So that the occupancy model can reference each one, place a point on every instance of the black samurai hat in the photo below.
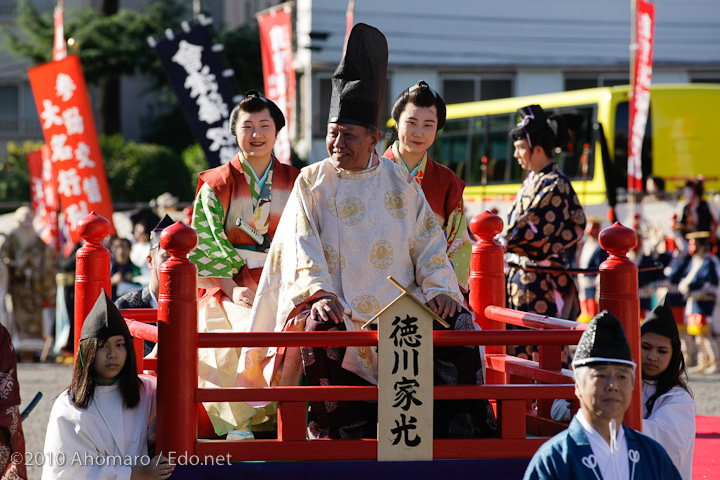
(104, 320)
(359, 81)
(533, 121)
(157, 231)
(603, 342)
(660, 320)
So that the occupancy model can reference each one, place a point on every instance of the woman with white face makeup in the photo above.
(419, 113)
(668, 406)
(236, 211)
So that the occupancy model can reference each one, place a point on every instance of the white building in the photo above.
(465, 49)
(483, 49)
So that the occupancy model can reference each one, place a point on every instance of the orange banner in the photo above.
(69, 128)
(279, 73)
(43, 194)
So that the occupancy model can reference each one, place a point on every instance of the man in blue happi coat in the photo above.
(597, 445)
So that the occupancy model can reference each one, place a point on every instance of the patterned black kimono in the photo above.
(541, 226)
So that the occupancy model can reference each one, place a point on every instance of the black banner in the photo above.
(206, 96)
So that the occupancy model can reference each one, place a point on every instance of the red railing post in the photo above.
(619, 295)
(177, 344)
(93, 268)
(487, 277)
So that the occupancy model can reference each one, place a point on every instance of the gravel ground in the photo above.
(51, 379)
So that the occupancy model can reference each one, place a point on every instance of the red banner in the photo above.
(640, 102)
(278, 70)
(43, 194)
(69, 128)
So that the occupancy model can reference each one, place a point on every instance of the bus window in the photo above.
(451, 147)
(579, 121)
(490, 139)
(621, 146)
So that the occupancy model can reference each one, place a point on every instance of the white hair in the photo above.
(580, 373)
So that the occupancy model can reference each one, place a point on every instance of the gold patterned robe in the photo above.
(345, 232)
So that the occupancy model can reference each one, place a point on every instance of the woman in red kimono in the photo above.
(419, 113)
(236, 211)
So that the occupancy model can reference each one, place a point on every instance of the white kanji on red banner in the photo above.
(66, 115)
(640, 102)
(44, 197)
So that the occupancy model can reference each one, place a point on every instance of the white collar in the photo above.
(612, 464)
(153, 300)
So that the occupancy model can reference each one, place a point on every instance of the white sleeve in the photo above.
(69, 451)
(672, 425)
(561, 411)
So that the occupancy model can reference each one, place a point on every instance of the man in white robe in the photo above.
(351, 221)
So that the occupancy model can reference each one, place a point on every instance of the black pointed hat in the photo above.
(661, 320)
(603, 342)
(359, 81)
(104, 320)
(157, 231)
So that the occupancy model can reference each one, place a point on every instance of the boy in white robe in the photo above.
(101, 426)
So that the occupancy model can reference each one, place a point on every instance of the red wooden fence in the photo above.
(512, 383)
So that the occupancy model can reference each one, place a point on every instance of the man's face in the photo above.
(605, 392)
(522, 153)
(121, 250)
(350, 146)
(155, 259)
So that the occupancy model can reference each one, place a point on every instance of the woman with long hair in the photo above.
(103, 425)
(668, 405)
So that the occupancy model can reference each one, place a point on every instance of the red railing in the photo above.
(512, 383)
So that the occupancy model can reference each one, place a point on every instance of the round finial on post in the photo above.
(618, 240)
(179, 239)
(93, 228)
(487, 277)
(486, 226)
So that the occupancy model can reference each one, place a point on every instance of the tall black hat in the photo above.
(359, 81)
(661, 320)
(157, 231)
(603, 342)
(104, 320)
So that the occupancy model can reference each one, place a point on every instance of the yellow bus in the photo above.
(680, 143)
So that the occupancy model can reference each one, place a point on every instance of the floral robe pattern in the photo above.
(546, 218)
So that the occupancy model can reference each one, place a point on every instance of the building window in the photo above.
(705, 78)
(579, 82)
(322, 103)
(470, 88)
(9, 108)
(18, 114)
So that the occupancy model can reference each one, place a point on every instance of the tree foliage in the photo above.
(139, 172)
(242, 54)
(14, 173)
(107, 45)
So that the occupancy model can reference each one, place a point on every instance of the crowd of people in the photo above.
(287, 250)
